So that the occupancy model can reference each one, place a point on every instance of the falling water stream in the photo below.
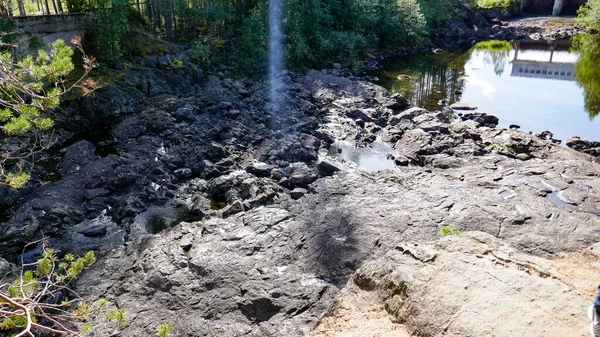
(275, 54)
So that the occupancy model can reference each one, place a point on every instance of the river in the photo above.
(537, 85)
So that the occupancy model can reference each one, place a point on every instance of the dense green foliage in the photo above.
(589, 14)
(107, 28)
(498, 3)
(317, 32)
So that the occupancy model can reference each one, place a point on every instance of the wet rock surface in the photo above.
(244, 224)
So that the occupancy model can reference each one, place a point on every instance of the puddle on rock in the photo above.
(553, 196)
(507, 194)
(581, 188)
(377, 157)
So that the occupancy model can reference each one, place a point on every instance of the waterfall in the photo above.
(275, 54)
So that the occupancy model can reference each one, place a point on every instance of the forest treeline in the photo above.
(234, 32)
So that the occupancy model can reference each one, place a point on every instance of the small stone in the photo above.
(328, 168)
(298, 193)
(183, 173)
(463, 106)
(201, 206)
(276, 174)
(401, 161)
(522, 156)
(491, 119)
(186, 242)
(576, 142)
(545, 135)
(399, 102)
(260, 169)
(183, 114)
(94, 231)
(233, 114)
(514, 126)
(236, 207)
(225, 105)
(337, 66)
(359, 122)
(95, 193)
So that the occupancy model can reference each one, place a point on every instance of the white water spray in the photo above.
(275, 54)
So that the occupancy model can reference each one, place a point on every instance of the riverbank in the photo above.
(295, 228)
(212, 210)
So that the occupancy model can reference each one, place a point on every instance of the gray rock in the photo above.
(225, 105)
(183, 173)
(76, 156)
(328, 167)
(94, 231)
(522, 156)
(399, 102)
(233, 114)
(298, 193)
(95, 193)
(184, 114)
(401, 161)
(201, 206)
(236, 207)
(260, 169)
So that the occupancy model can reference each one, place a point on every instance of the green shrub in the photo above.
(176, 63)
(497, 3)
(447, 230)
(39, 299)
(589, 15)
(200, 54)
(31, 86)
(134, 43)
(164, 329)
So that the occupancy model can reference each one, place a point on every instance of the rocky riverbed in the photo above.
(211, 209)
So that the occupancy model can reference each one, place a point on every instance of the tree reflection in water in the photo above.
(494, 52)
(435, 80)
(587, 70)
(426, 80)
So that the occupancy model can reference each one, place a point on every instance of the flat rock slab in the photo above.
(469, 285)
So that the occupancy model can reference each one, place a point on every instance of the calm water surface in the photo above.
(531, 84)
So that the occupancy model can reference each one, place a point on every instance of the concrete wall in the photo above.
(53, 27)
